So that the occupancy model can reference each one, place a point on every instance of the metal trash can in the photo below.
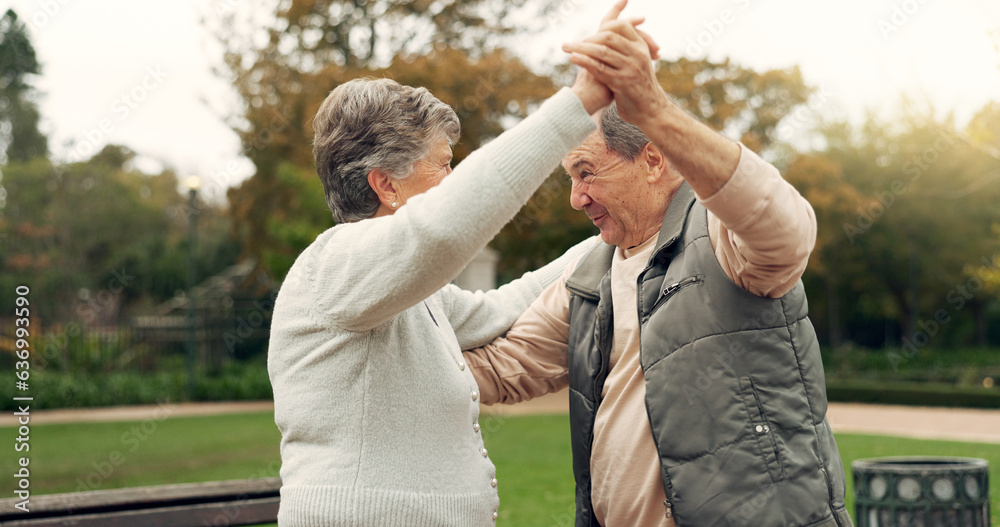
(921, 492)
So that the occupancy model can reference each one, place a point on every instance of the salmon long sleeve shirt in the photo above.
(762, 231)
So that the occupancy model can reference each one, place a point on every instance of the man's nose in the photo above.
(578, 198)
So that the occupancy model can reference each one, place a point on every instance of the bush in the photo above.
(911, 393)
(962, 366)
(55, 389)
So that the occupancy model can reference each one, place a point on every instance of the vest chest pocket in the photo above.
(767, 445)
(673, 287)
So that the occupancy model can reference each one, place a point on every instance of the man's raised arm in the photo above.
(619, 57)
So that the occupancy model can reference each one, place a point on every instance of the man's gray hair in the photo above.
(623, 138)
(374, 123)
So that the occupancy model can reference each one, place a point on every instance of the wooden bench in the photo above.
(215, 503)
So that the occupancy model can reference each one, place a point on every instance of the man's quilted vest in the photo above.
(735, 392)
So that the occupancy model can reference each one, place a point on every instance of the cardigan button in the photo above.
(475, 426)
(475, 395)
(484, 452)
(461, 366)
(495, 515)
(759, 429)
(493, 482)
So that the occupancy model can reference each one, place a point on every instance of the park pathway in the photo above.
(960, 424)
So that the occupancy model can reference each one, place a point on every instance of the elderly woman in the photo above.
(377, 409)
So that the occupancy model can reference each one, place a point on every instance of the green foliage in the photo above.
(913, 394)
(18, 109)
(964, 366)
(354, 34)
(237, 381)
(910, 376)
(96, 237)
(904, 209)
(294, 227)
(983, 130)
(543, 229)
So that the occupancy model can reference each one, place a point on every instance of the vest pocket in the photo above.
(767, 445)
(673, 287)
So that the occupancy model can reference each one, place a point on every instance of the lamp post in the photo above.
(193, 183)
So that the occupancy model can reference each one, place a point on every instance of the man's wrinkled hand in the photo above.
(620, 57)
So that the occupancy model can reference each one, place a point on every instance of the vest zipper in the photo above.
(673, 288)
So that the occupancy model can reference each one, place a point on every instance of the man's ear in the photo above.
(384, 187)
(654, 162)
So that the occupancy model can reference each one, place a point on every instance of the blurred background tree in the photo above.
(908, 229)
(75, 228)
(19, 135)
(885, 259)
(68, 229)
(454, 49)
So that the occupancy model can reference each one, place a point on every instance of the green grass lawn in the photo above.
(531, 453)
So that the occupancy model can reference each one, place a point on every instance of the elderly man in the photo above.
(697, 394)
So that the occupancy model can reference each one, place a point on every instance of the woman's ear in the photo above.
(385, 188)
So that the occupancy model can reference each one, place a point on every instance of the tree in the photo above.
(744, 103)
(18, 111)
(822, 182)
(99, 225)
(983, 132)
(914, 203)
(451, 48)
(356, 34)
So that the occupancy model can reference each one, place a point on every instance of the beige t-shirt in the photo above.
(621, 429)
(762, 231)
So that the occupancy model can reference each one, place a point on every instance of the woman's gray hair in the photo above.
(622, 137)
(374, 123)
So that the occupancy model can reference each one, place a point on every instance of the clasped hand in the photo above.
(616, 62)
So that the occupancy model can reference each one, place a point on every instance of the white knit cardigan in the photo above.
(379, 415)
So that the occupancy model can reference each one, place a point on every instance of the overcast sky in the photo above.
(139, 72)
